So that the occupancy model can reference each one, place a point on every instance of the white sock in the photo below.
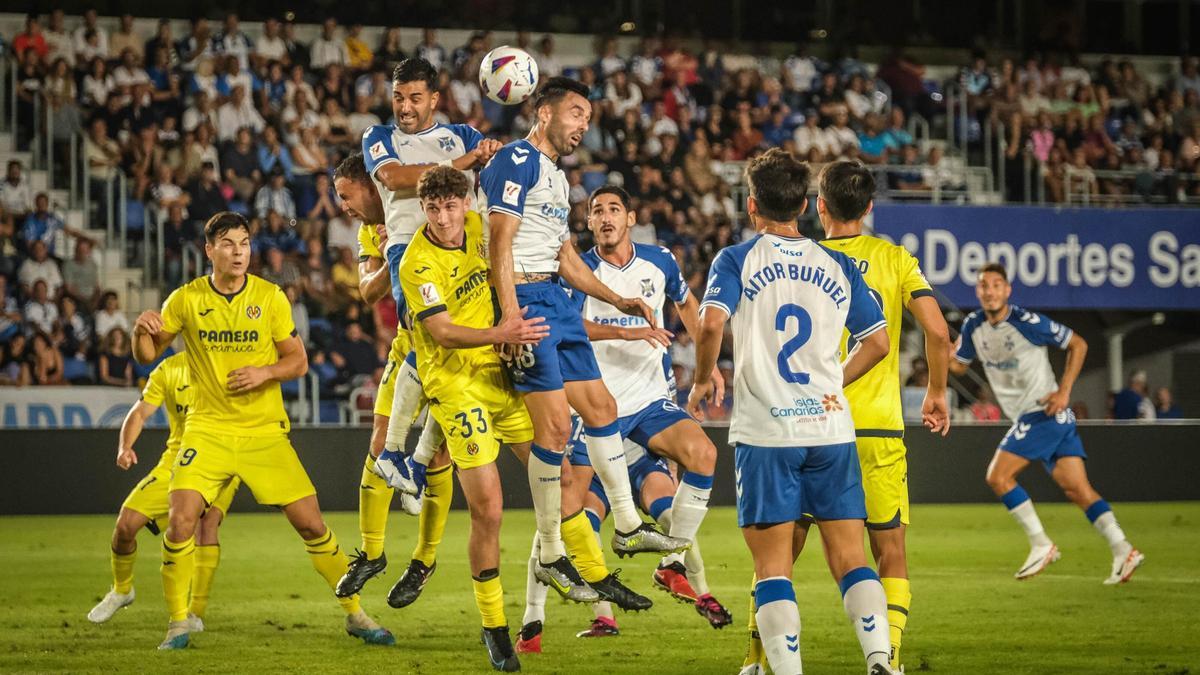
(545, 484)
(404, 404)
(664, 523)
(695, 569)
(430, 441)
(779, 624)
(1021, 507)
(866, 605)
(690, 505)
(606, 452)
(535, 592)
(1105, 522)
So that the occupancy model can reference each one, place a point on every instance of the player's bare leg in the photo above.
(1071, 476)
(862, 593)
(1002, 479)
(891, 559)
(208, 557)
(178, 563)
(331, 563)
(777, 615)
(123, 556)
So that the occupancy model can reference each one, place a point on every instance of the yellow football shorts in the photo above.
(885, 481)
(149, 496)
(481, 416)
(268, 465)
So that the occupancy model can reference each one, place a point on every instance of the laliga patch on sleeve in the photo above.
(512, 193)
(378, 151)
(429, 294)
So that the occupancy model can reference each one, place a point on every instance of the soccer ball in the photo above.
(508, 75)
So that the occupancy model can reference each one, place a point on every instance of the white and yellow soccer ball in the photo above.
(508, 75)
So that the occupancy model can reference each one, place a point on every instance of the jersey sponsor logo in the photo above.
(1030, 317)
(206, 312)
(182, 388)
(429, 294)
(477, 279)
(421, 270)
(253, 312)
(519, 155)
(512, 193)
(807, 409)
(228, 341)
(619, 320)
(377, 150)
(712, 290)
(454, 272)
(785, 250)
(831, 403)
(558, 213)
(647, 288)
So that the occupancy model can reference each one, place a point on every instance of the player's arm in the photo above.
(708, 336)
(962, 350)
(374, 280)
(292, 363)
(502, 229)
(1060, 399)
(131, 429)
(150, 338)
(935, 412)
(658, 337)
(870, 351)
(515, 329)
(576, 273)
(404, 177)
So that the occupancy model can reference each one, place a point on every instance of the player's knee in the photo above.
(1000, 482)
(556, 434)
(309, 531)
(700, 457)
(486, 514)
(182, 525)
(210, 524)
(124, 535)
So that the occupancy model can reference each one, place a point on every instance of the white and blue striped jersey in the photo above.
(1014, 356)
(383, 144)
(788, 299)
(523, 182)
(636, 373)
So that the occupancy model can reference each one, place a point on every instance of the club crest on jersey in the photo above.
(647, 288)
(253, 312)
(446, 143)
(472, 448)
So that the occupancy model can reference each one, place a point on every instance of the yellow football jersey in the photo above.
(368, 243)
(894, 277)
(436, 279)
(226, 332)
(169, 386)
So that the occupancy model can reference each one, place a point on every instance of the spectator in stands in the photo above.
(239, 113)
(91, 25)
(231, 40)
(273, 154)
(10, 312)
(10, 252)
(39, 266)
(240, 164)
(872, 144)
(178, 234)
(129, 73)
(353, 354)
(31, 39)
(1133, 401)
(279, 270)
(16, 196)
(1189, 76)
(207, 196)
(81, 275)
(58, 41)
(103, 156)
(345, 277)
(278, 233)
(76, 330)
(322, 206)
(110, 316)
(317, 284)
(165, 193)
(46, 362)
(389, 53)
(275, 196)
(115, 366)
(328, 48)
(984, 409)
(908, 179)
(1165, 407)
(40, 312)
(14, 362)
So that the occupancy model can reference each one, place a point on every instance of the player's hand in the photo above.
(935, 414)
(148, 322)
(718, 381)
(486, 148)
(1055, 402)
(657, 337)
(381, 230)
(245, 379)
(636, 307)
(515, 329)
(702, 392)
(126, 458)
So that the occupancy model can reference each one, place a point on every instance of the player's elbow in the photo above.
(937, 335)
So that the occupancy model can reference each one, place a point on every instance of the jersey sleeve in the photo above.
(724, 283)
(1039, 329)
(912, 281)
(677, 288)
(507, 179)
(282, 325)
(368, 247)
(423, 287)
(154, 392)
(470, 135)
(377, 148)
(966, 346)
(173, 310)
(865, 316)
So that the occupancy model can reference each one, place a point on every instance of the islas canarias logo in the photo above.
(253, 312)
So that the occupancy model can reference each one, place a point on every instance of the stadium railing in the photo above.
(1176, 181)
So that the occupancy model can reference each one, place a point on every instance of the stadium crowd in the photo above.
(217, 119)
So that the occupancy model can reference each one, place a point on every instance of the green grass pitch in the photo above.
(270, 612)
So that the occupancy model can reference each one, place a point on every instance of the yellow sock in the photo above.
(489, 597)
(207, 559)
(122, 570)
(899, 597)
(374, 501)
(754, 650)
(331, 563)
(178, 566)
(439, 490)
(581, 544)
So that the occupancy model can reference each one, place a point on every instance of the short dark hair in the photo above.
(442, 182)
(847, 187)
(778, 183)
(223, 222)
(556, 89)
(353, 169)
(415, 69)
(617, 190)
(994, 267)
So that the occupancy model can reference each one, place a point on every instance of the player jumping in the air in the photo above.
(146, 506)
(893, 277)
(1012, 343)
(360, 199)
(241, 343)
(528, 206)
(788, 299)
(637, 374)
(444, 277)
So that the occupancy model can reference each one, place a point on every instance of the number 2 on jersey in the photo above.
(796, 342)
